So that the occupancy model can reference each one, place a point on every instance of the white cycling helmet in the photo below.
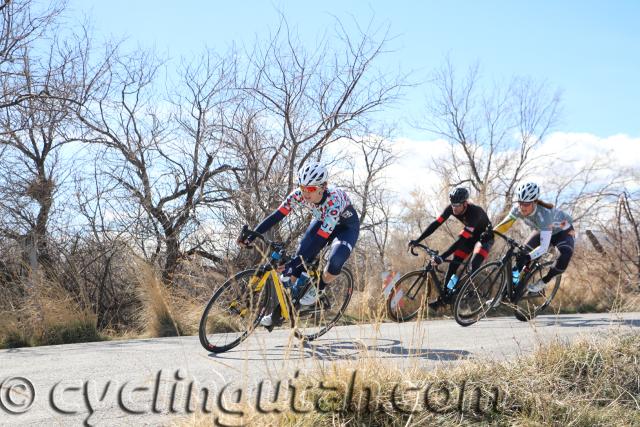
(312, 173)
(528, 192)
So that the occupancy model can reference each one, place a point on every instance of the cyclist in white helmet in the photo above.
(551, 226)
(335, 222)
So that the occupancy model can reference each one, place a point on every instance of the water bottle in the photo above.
(452, 282)
(300, 282)
(515, 275)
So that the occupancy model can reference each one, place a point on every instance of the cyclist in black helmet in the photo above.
(471, 238)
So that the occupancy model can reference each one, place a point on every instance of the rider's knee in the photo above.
(337, 259)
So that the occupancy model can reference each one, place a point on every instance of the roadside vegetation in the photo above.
(593, 381)
(53, 318)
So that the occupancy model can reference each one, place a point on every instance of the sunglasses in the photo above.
(457, 205)
(309, 188)
(525, 204)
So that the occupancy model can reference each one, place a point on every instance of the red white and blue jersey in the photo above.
(334, 208)
(334, 219)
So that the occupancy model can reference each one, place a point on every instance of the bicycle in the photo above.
(492, 285)
(236, 307)
(419, 287)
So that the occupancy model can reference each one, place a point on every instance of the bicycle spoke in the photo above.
(532, 304)
(412, 292)
(231, 314)
(480, 292)
(409, 296)
(314, 321)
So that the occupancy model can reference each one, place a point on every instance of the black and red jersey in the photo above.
(474, 218)
(475, 222)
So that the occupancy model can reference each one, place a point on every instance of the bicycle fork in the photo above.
(276, 299)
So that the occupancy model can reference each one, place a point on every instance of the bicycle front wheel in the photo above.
(313, 321)
(233, 312)
(410, 294)
(479, 293)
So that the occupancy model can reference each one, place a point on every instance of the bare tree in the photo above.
(493, 135)
(628, 229)
(373, 155)
(160, 152)
(32, 134)
(311, 98)
(22, 23)
(585, 188)
(297, 103)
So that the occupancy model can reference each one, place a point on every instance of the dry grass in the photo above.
(366, 306)
(595, 381)
(589, 285)
(593, 283)
(50, 316)
(158, 315)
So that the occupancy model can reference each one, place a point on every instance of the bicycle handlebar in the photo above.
(427, 249)
(247, 232)
(509, 240)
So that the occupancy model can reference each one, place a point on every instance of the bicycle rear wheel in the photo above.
(314, 321)
(479, 294)
(532, 304)
(409, 295)
(233, 312)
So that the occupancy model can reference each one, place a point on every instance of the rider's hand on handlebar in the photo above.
(244, 239)
(412, 243)
(245, 243)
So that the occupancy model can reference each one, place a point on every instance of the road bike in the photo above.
(492, 284)
(236, 307)
(416, 289)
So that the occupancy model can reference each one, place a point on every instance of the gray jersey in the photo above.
(544, 219)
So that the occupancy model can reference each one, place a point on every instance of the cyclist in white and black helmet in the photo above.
(550, 225)
(470, 239)
(335, 222)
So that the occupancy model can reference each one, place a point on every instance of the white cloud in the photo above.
(623, 150)
(561, 157)
(578, 149)
(412, 170)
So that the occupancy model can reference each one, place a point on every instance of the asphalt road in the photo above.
(145, 382)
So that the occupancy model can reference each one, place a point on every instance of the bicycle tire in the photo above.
(321, 311)
(398, 309)
(484, 287)
(225, 319)
(526, 308)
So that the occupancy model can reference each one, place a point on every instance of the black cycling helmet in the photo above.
(459, 195)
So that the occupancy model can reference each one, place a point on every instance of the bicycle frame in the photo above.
(428, 268)
(513, 293)
(277, 287)
(270, 270)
